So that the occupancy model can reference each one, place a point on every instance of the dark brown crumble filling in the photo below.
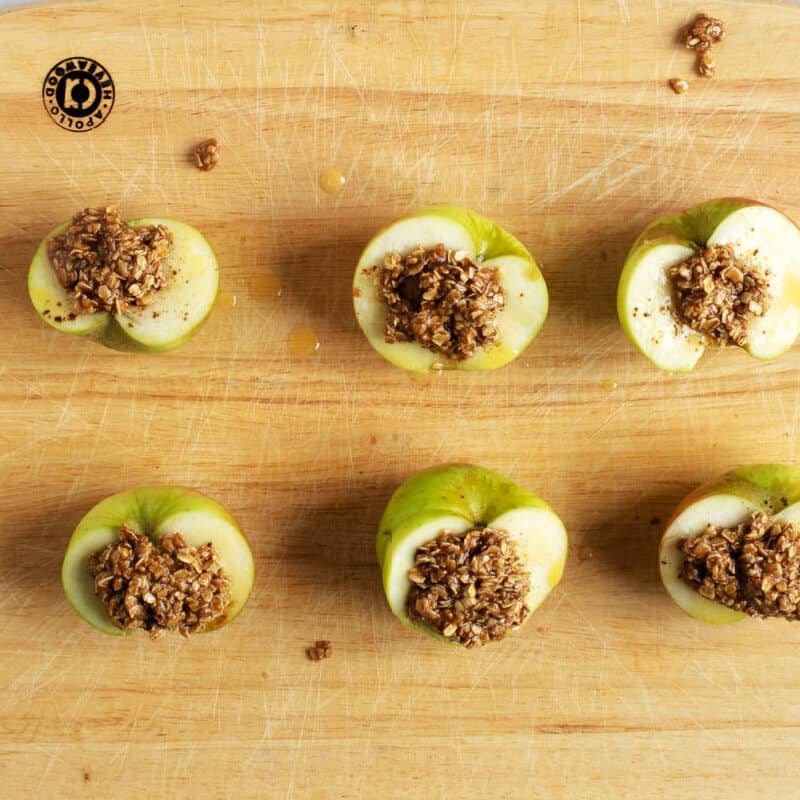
(469, 587)
(717, 295)
(440, 299)
(754, 567)
(106, 265)
(160, 587)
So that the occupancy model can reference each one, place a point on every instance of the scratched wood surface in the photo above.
(553, 118)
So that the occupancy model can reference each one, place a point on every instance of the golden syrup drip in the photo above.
(264, 286)
(227, 300)
(303, 342)
(609, 385)
(425, 378)
(585, 554)
(331, 181)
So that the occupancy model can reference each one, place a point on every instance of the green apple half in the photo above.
(760, 236)
(174, 316)
(524, 289)
(156, 511)
(459, 498)
(725, 502)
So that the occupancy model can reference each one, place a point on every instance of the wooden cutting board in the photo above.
(554, 119)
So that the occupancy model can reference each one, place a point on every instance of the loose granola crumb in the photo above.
(322, 648)
(717, 295)
(469, 587)
(162, 586)
(441, 299)
(679, 85)
(206, 154)
(104, 264)
(706, 66)
(704, 32)
(754, 567)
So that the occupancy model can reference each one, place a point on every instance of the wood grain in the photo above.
(556, 120)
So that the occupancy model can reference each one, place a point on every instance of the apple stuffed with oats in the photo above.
(726, 272)
(158, 559)
(141, 286)
(445, 288)
(732, 547)
(467, 555)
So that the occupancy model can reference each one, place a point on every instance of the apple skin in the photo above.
(691, 230)
(155, 511)
(457, 497)
(459, 229)
(728, 500)
(104, 327)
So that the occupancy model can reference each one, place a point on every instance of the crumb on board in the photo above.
(679, 85)
(322, 648)
(699, 36)
(206, 154)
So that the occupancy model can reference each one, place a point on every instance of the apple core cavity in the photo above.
(160, 586)
(470, 588)
(105, 264)
(717, 295)
(752, 567)
(440, 299)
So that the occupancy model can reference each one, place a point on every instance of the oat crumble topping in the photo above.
(717, 295)
(160, 587)
(106, 265)
(440, 299)
(322, 648)
(754, 567)
(469, 587)
(206, 155)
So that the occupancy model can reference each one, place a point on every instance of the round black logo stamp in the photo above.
(78, 94)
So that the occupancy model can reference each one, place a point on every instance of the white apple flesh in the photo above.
(524, 288)
(459, 498)
(761, 238)
(174, 316)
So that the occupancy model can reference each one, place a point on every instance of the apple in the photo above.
(486, 245)
(169, 321)
(460, 498)
(761, 238)
(155, 511)
(726, 502)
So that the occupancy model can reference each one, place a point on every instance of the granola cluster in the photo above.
(717, 295)
(469, 587)
(754, 567)
(160, 587)
(104, 264)
(440, 299)
(704, 32)
(206, 155)
(323, 648)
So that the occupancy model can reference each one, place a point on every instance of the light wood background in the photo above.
(554, 119)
